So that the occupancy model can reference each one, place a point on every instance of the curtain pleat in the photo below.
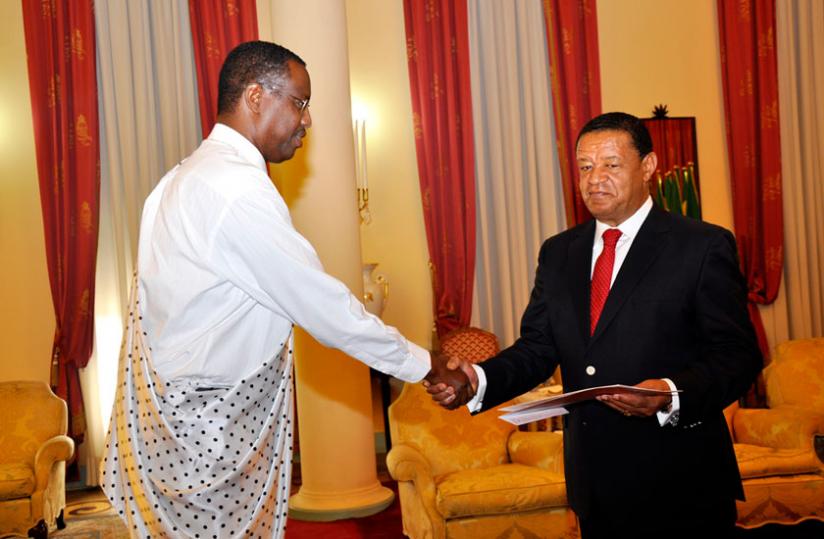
(218, 26)
(60, 50)
(438, 55)
(750, 86)
(572, 36)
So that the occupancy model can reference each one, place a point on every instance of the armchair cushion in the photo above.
(760, 461)
(498, 490)
(16, 481)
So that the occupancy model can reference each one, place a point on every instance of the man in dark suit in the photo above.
(661, 304)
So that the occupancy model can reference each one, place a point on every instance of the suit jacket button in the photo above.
(590, 370)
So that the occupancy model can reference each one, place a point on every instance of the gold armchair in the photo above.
(33, 451)
(461, 476)
(775, 447)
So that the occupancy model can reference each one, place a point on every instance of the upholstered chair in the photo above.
(470, 344)
(463, 476)
(33, 451)
(782, 474)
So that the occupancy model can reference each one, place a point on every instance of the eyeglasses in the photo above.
(301, 104)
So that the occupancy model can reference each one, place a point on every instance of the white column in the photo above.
(336, 438)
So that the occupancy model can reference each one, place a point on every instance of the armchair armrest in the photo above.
(543, 450)
(784, 427)
(405, 463)
(55, 449)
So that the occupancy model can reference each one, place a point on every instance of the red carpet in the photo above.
(384, 525)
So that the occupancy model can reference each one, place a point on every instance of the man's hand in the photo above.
(640, 405)
(451, 382)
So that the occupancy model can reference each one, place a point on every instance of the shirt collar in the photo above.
(226, 135)
(630, 227)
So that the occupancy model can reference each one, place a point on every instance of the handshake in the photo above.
(452, 382)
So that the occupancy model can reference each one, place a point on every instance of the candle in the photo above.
(363, 155)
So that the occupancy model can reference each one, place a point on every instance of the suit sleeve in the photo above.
(729, 357)
(532, 358)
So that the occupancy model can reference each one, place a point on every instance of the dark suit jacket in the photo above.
(678, 310)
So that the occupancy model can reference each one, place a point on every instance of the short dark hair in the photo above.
(250, 62)
(621, 121)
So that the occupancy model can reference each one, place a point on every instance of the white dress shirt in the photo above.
(629, 230)
(200, 440)
(224, 275)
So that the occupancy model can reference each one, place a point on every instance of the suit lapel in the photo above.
(580, 266)
(652, 237)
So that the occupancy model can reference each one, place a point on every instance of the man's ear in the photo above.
(252, 96)
(649, 164)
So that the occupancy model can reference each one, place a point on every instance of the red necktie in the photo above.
(601, 277)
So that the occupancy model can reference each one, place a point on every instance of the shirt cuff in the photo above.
(417, 366)
(669, 415)
(477, 401)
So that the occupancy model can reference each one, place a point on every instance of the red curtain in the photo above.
(218, 26)
(572, 36)
(750, 79)
(437, 46)
(60, 50)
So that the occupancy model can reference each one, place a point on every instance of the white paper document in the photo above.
(535, 410)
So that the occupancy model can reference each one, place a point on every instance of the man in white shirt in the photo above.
(200, 439)
(642, 297)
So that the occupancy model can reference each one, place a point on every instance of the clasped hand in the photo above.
(451, 381)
